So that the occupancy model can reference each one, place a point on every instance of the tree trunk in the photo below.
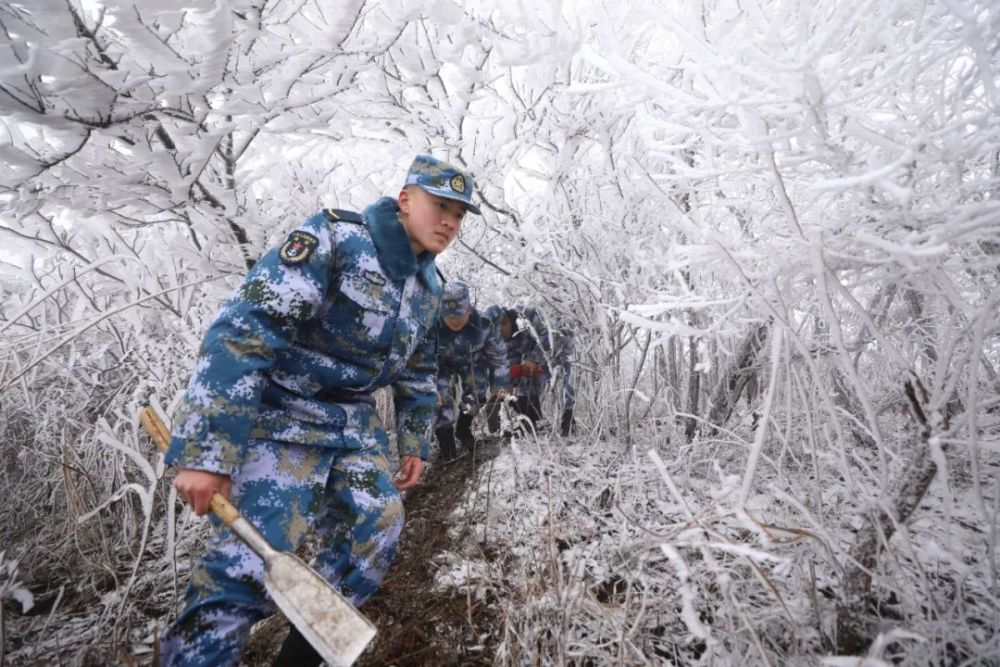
(635, 384)
(730, 386)
(878, 528)
(843, 394)
(239, 233)
(845, 399)
(673, 376)
(693, 389)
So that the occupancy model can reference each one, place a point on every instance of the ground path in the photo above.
(419, 624)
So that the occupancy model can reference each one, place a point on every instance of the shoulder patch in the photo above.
(298, 247)
(343, 215)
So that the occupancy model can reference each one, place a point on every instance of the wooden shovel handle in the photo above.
(157, 430)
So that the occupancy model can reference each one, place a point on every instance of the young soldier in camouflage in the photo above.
(279, 413)
(470, 351)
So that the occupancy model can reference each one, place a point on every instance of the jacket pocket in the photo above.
(368, 294)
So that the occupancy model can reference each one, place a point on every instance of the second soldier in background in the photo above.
(472, 359)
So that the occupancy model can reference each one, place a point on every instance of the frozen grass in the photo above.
(601, 562)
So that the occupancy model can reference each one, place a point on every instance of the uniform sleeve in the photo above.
(565, 347)
(536, 343)
(283, 290)
(415, 392)
(443, 383)
(495, 351)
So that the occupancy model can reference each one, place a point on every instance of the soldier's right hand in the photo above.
(530, 368)
(198, 486)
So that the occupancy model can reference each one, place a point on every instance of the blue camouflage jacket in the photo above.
(476, 353)
(536, 341)
(531, 342)
(341, 309)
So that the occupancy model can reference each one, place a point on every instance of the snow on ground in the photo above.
(590, 555)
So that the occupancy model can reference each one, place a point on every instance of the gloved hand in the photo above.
(528, 369)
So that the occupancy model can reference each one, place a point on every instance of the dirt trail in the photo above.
(418, 625)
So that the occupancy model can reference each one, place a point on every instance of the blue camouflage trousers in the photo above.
(474, 395)
(568, 393)
(532, 385)
(285, 489)
(447, 413)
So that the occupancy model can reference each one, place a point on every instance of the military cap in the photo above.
(455, 300)
(442, 179)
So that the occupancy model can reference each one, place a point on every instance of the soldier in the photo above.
(527, 341)
(533, 350)
(495, 315)
(279, 412)
(471, 352)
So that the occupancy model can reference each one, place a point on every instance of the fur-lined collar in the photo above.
(393, 245)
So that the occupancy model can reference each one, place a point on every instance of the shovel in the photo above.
(337, 630)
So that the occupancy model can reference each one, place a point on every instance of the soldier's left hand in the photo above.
(409, 473)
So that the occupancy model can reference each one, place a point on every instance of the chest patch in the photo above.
(375, 277)
(298, 247)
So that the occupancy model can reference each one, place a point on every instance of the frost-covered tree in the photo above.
(150, 153)
(829, 183)
(764, 222)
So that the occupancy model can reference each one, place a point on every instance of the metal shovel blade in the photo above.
(323, 616)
